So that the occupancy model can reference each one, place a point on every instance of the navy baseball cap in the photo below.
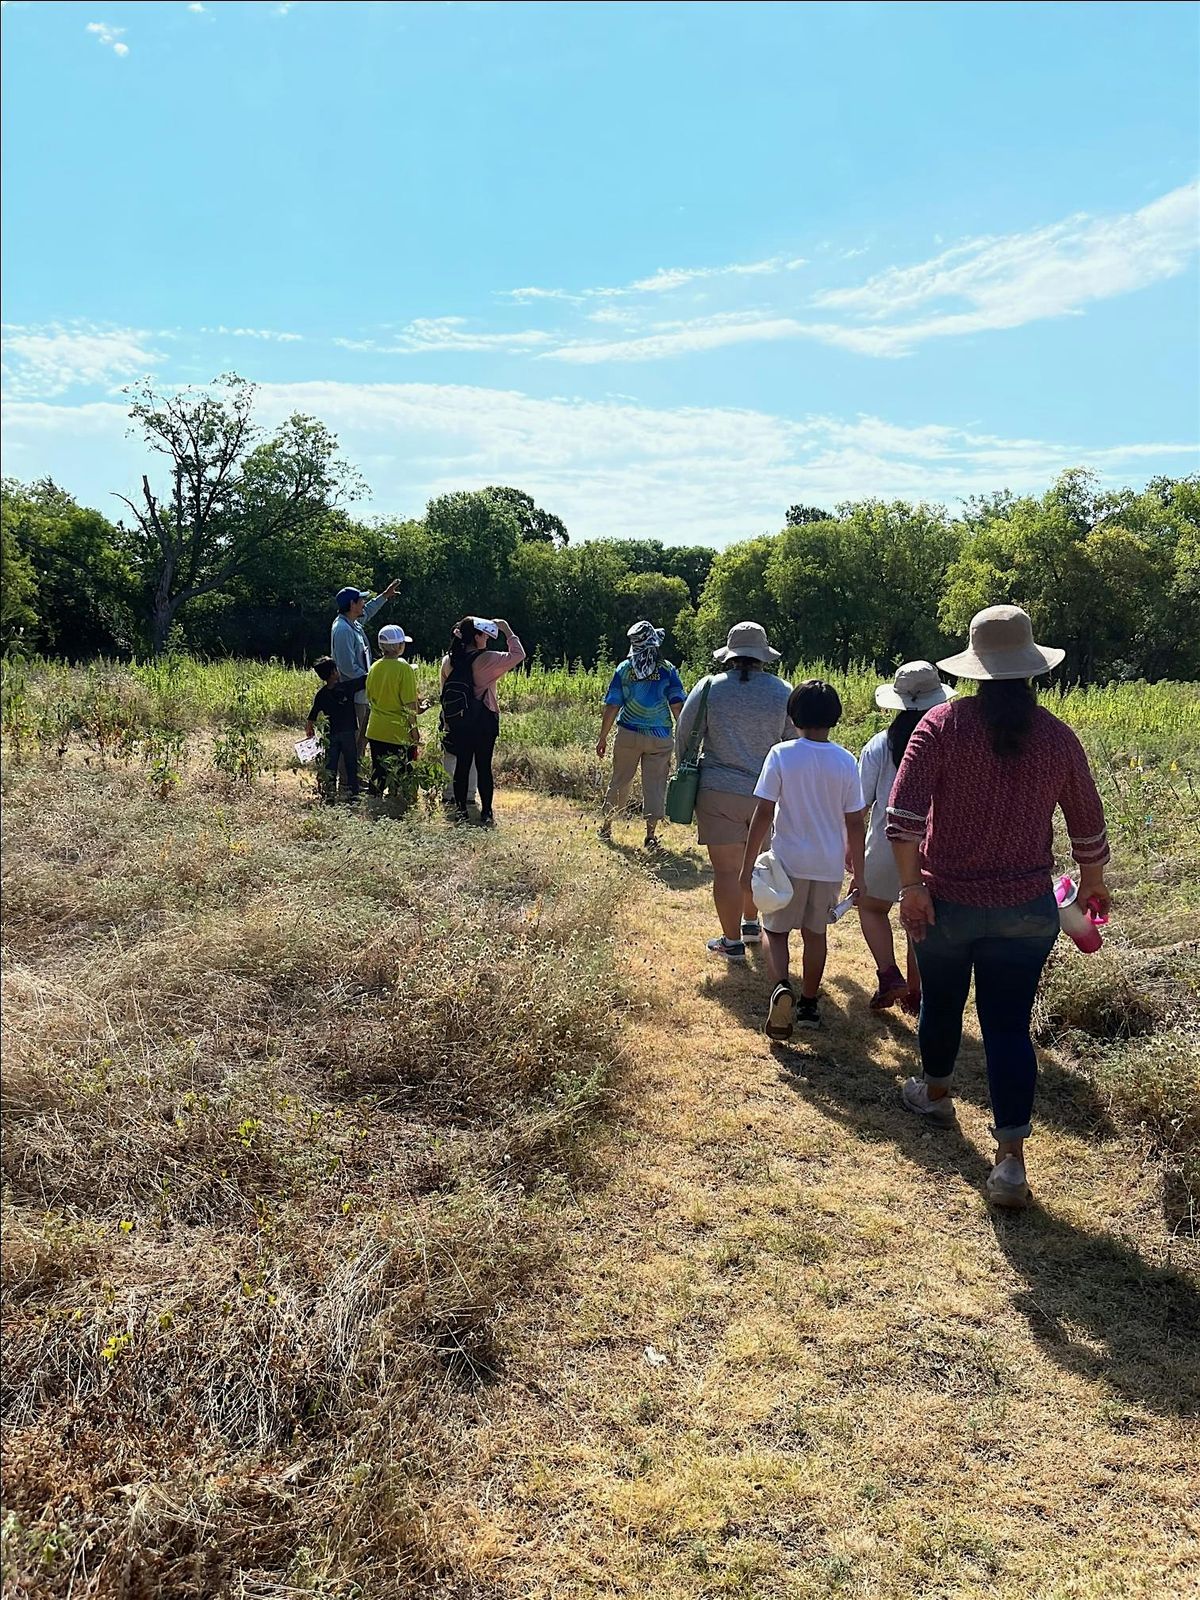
(345, 598)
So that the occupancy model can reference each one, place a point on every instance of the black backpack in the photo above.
(461, 706)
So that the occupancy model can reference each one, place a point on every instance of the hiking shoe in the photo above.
(731, 949)
(781, 1014)
(893, 987)
(808, 1013)
(751, 932)
(1007, 1185)
(915, 1095)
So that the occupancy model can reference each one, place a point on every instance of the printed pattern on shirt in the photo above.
(985, 823)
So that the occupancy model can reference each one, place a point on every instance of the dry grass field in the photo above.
(397, 1212)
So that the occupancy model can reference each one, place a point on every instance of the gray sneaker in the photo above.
(1008, 1186)
(915, 1095)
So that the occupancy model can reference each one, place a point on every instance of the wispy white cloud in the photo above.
(271, 334)
(612, 466)
(450, 334)
(199, 9)
(48, 360)
(107, 35)
(993, 283)
(665, 340)
(663, 281)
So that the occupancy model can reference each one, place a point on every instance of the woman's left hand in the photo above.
(916, 912)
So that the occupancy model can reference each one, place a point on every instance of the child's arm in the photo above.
(310, 727)
(760, 823)
(348, 688)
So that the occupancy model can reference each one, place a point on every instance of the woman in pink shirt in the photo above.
(471, 719)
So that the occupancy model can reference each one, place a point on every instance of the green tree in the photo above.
(1105, 576)
(659, 599)
(234, 498)
(797, 516)
(736, 590)
(83, 591)
(537, 526)
(18, 586)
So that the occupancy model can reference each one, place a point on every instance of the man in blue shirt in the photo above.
(644, 700)
(348, 644)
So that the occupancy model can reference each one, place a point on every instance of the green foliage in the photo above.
(68, 583)
(234, 498)
(1109, 577)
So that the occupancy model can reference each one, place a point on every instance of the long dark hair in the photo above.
(900, 732)
(462, 641)
(1007, 706)
(743, 666)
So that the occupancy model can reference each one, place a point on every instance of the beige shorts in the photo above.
(723, 818)
(809, 907)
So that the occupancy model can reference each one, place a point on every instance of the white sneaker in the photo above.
(1008, 1186)
(915, 1095)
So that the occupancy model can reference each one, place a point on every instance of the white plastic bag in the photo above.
(770, 884)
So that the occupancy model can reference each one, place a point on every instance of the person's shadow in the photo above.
(1091, 1301)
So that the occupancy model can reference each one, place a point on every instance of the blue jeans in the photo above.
(342, 749)
(1006, 947)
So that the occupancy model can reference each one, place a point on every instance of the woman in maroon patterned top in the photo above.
(971, 823)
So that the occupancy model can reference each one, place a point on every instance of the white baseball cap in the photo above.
(393, 633)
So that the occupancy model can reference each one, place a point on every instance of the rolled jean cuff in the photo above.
(939, 1083)
(1003, 1135)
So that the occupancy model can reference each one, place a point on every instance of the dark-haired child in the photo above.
(336, 702)
(809, 789)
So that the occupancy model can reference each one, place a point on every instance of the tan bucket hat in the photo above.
(746, 639)
(1001, 646)
(916, 687)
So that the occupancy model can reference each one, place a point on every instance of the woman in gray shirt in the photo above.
(744, 716)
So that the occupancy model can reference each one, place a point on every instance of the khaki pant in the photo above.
(653, 755)
(362, 712)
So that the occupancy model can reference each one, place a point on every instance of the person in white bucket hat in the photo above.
(971, 823)
(392, 698)
(915, 689)
(740, 712)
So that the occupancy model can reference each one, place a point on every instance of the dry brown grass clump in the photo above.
(285, 1091)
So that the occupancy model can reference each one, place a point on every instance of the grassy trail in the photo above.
(872, 1385)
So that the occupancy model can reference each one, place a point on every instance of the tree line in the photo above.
(236, 541)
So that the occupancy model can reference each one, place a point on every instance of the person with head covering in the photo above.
(971, 823)
(739, 713)
(348, 643)
(644, 699)
(470, 707)
(392, 702)
(914, 690)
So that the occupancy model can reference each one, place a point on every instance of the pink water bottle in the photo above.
(1081, 923)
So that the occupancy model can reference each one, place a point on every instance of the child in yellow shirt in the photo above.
(392, 698)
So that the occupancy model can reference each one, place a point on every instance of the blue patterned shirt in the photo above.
(646, 702)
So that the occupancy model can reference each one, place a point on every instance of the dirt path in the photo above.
(872, 1385)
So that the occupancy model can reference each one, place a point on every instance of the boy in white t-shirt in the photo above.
(809, 788)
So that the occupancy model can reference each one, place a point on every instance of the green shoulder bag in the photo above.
(685, 781)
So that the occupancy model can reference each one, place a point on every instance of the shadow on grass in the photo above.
(1066, 1100)
(672, 868)
(1092, 1303)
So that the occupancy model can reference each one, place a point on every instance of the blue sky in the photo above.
(667, 267)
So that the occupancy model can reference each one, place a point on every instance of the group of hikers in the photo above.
(947, 813)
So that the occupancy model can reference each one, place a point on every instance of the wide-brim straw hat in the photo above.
(1001, 646)
(746, 639)
(916, 687)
